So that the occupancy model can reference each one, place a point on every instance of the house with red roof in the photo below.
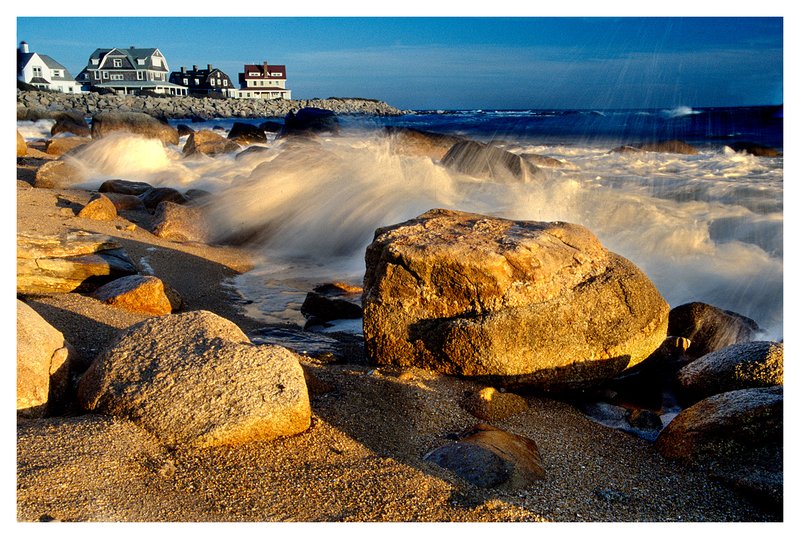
(262, 81)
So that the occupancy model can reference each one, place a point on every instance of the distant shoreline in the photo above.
(33, 105)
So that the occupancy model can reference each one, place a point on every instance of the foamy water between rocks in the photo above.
(706, 227)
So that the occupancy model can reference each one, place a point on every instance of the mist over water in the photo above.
(706, 227)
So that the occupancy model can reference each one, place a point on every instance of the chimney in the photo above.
(23, 47)
(194, 68)
(210, 67)
(183, 70)
(132, 47)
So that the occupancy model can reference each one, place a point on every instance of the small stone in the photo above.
(99, 208)
(138, 293)
(490, 404)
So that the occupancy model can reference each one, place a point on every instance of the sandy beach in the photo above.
(362, 457)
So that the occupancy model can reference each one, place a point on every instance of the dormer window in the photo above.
(140, 61)
(95, 61)
(117, 62)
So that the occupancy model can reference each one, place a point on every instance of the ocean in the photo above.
(705, 227)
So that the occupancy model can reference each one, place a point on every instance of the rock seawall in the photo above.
(36, 105)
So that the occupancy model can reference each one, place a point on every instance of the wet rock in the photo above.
(57, 175)
(271, 126)
(99, 208)
(409, 141)
(70, 262)
(492, 405)
(252, 150)
(664, 146)
(522, 302)
(138, 123)
(194, 379)
(61, 145)
(487, 161)
(755, 149)
(155, 196)
(181, 223)
(208, 143)
(184, 130)
(321, 308)
(245, 133)
(709, 328)
(125, 202)
(309, 120)
(543, 160)
(138, 293)
(739, 366)
(737, 437)
(125, 187)
(491, 458)
(43, 363)
(644, 419)
(22, 147)
(74, 124)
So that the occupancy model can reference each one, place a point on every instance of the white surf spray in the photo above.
(706, 227)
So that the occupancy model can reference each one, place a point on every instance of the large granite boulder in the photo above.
(105, 123)
(489, 457)
(709, 328)
(194, 379)
(310, 120)
(739, 366)
(61, 145)
(22, 146)
(181, 223)
(58, 175)
(409, 141)
(487, 161)
(737, 437)
(244, 133)
(138, 293)
(71, 123)
(526, 302)
(70, 262)
(43, 363)
(207, 142)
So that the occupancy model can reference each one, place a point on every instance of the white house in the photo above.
(129, 71)
(261, 81)
(43, 72)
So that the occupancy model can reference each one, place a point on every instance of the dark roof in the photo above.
(133, 55)
(39, 80)
(270, 69)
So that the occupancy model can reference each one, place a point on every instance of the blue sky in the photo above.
(471, 62)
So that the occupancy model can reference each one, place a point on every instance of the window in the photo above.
(37, 71)
(117, 62)
(224, 82)
(140, 75)
(96, 75)
(212, 82)
(105, 74)
(140, 61)
(186, 82)
(95, 61)
(196, 82)
(117, 76)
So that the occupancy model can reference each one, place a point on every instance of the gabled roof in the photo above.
(265, 74)
(133, 55)
(24, 58)
(52, 64)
